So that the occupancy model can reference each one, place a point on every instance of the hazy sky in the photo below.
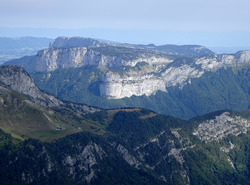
(156, 21)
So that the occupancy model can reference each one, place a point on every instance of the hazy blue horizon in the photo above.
(157, 37)
(214, 23)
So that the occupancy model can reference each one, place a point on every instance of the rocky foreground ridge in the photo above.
(130, 146)
(136, 69)
(17, 79)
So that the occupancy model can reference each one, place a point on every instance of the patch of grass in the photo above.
(150, 115)
(49, 135)
(13, 134)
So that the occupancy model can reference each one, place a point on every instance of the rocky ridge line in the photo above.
(17, 79)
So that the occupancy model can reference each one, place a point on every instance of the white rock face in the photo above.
(180, 75)
(130, 159)
(159, 74)
(242, 57)
(116, 86)
(51, 59)
(209, 63)
(85, 161)
(228, 60)
(222, 126)
(225, 60)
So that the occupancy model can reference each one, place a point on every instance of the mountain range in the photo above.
(45, 140)
(182, 81)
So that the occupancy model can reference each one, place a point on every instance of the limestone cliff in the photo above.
(136, 69)
(166, 74)
(51, 59)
